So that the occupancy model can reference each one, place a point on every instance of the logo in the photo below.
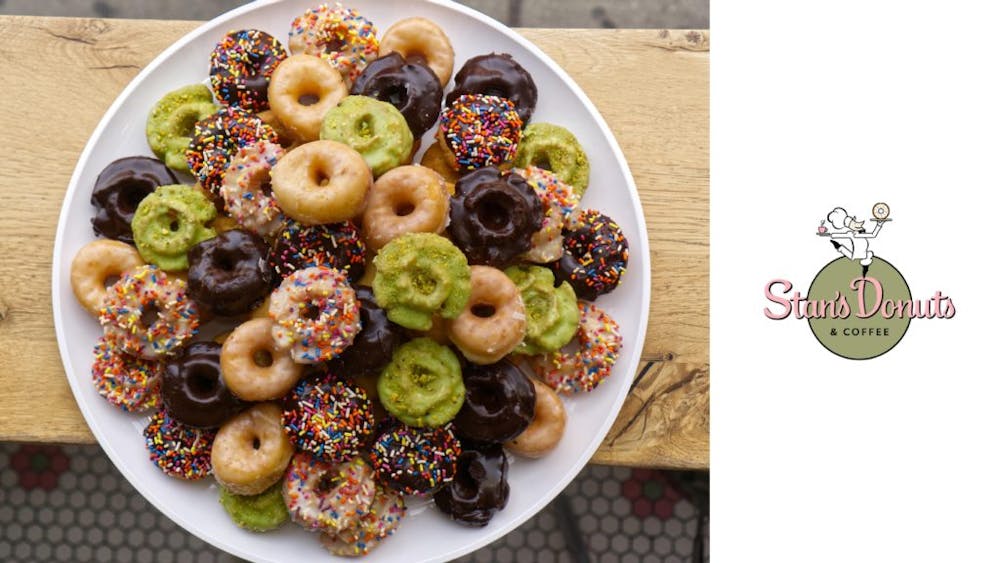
(859, 305)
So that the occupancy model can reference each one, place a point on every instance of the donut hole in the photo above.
(110, 280)
(424, 283)
(308, 99)
(186, 122)
(265, 185)
(203, 382)
(327, 482)
(542, 161)
(397, 95)
(149, 314)
(483, 310)
(131, 195)
(263, 358)
(336, 44)
(403, 209)
(365, 126)
(320, 178)
(256, 442)
(311, 312)
(174, 225)
(494, 212)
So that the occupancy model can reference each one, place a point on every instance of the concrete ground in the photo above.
(675, 14)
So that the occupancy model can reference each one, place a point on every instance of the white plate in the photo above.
(425, 535)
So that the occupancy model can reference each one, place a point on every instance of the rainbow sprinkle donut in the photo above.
(243, 188)
(130, 383)
(178, 450)
(327, 497)
(338, 34)
(479, 131)
(315, 313)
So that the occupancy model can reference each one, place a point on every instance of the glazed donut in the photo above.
(493, 321)
(328, 417)
(303, 88)
(94, 265)
(229, 274)
(119, 189)
(497, 75)
(546, 429)
(246, 188)
(493, 216)
(407, 199)
(410, 86)
(337, 245)
(216, 140)
(415, 461)
(420, 39)
(596, 254)
(478, 131)
(598, 343)
(241, 65)
(321, 182)
(327, 497)
(178, 450)
(130, 383)
(251, 450)
(315, 313)
(193, 390)
(286, 138)
(479, 488)
(147, 314)
(499, 402)
(441, 161)
(378, 523)
(253, 366)
(340, 35)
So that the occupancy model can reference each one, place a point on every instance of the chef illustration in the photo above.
(849, 236)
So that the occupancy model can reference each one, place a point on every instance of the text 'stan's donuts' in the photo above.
(251, 450)
(407, 199)
(493, 321)
(99, 261)
(421, 38)
(321, 182)
(254, 367)
(303, 88)
(546, 429)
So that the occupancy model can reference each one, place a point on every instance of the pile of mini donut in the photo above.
(326, 327)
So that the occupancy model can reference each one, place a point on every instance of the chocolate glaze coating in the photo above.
(228, 274)
(499, 402)
(493, 215)
(414, 460)
(194, 392)
(373, 346)
(119, 189)
(409, 85)
(595, 257)
(497, 74)
(479, 488)
(336, 245)
(241, 66)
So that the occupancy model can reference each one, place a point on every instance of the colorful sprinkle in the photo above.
(387, 510)
(481, 130)
(337, 245)
(241, 66)
(329, 418)
(338, 34)
(218, 137)
(316, 314)
(178, 450)
(130, 383)
(558, 200)
(585, 363)
(327, 497)
(596, 254)
(415, 460)
(245, 188)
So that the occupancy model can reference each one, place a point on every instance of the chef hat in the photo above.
(837, 217)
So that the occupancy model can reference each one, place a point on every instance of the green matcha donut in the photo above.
(171, 123)
(374, 128)
(553, 316)
(257, 513)
(554, 148)
(419, 275)
(170, 221)
(422, 385)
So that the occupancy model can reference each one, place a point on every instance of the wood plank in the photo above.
(63, 73)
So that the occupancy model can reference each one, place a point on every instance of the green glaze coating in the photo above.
(257, 513)
(171, 123)
(554, 148)
(168, 222)
(374, 128)
(553, 316)
(422, 385)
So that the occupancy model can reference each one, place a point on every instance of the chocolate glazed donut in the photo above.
(193, 390)
(493, 215)
(479, 488)
(119, 189)
(229, 274)
(409, 85)
(499, 402)
(373, 346)
(497, 75)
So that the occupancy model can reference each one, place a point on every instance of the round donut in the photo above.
(257, 513)
(478, 131)
(179, 450)
(415, 461)
(119, 189)
(341, 36)
(130, 383)
(321, 182)
(168, 222)
(378, 523)
(410, 86)
(217, 139)
(303, 88)
(327, 497)
(555, 148)
(598, 343)
(596, 254)
(493, 322)
(315, 313)
(228, 274)
(422, 385)
(246, 188)
(479, 488)
(493, 216)
(374, 128)
(193, 389)
(546, 429)
(373, 346)
(420, 39)
(328, 417)
(497, 75)
(94, 265)
(254, 367)
(337, 245)
(241, 65)
(407, 199)
(251, 450)
(170, 124)
(499, 402)
(147, 314)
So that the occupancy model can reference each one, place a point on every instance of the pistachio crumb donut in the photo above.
(587, 362)
(321, 182)
(169, 222)
(407, 199)
(257, 513)
(251, 450)
(315, 313)
(372, 127)
(552, 313)
(493, 321)
(422, 385)
(97, 263)
(303, 88)
(546, 429)
(419, 275)
(421, 39)
(253, 366)
(552, 147)
(170, 125)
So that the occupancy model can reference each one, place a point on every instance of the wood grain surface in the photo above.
(61, 74)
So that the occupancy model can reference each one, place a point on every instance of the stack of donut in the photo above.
(325, 326)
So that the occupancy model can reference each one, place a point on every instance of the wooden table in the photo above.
(61, 74)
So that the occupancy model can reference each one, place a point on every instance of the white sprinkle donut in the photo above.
(338, 34)
(586, 361)
(378, 523)
(243, 188)
(316, 314)
(148, 314)
(328, 497)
